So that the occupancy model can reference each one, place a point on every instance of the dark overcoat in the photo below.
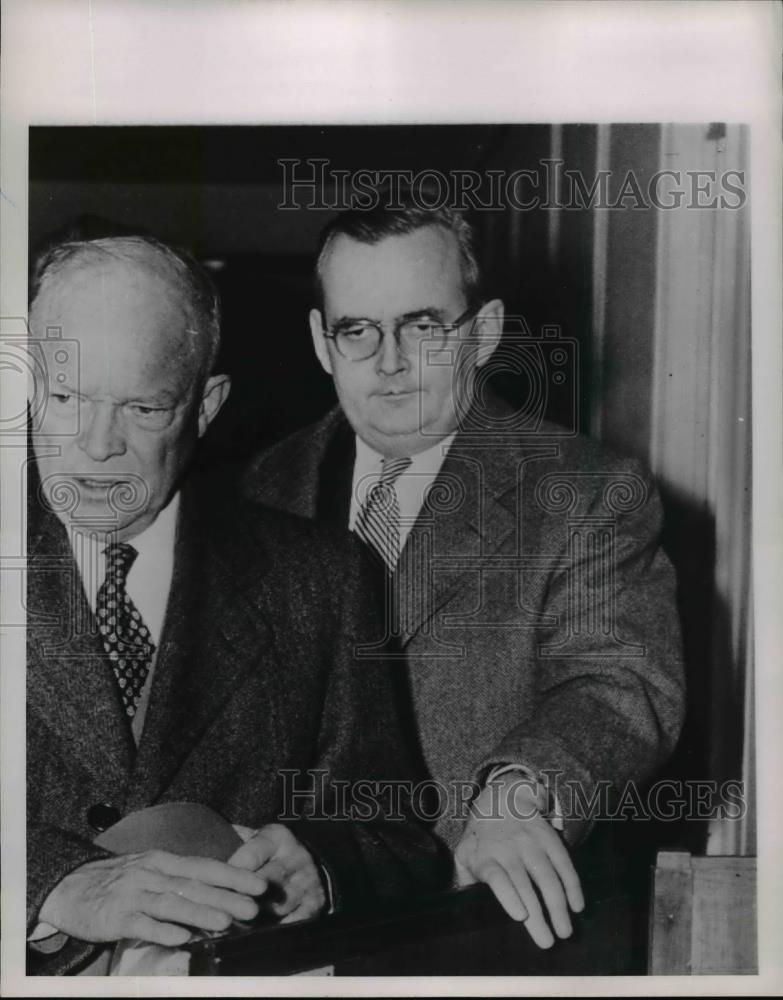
(255, 676)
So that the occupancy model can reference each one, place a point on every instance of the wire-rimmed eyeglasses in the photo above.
(361, 339)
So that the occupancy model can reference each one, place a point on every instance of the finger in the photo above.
(240, 907)
(283, 906)
(542, 872)
(146, 929)
(538, 929)
(464, 875)
(283, 894)
(206, 870)
(274, 873)
(497, 878)
(253, 853)
(535, 922)
(169, 907)
(301, 886)
(564, 867)
(307, 908)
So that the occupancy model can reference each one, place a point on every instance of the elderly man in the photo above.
(524, 577)
(179, 652)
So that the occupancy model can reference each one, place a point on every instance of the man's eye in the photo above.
(357, 332)
(149, 416)
(422, 328)
(62, 398)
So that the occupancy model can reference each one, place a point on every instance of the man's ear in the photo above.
(319, 341)
(212, 398)
(488, 327)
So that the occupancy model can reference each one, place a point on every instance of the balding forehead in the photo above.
(99, 285)
(95, 266)
(109, 306)
(175, 277)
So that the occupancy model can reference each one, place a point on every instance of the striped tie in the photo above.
(378, 523)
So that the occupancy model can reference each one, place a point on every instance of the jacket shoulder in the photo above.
(578, 452)
(286, 475)
(294, 449)
(259, 539)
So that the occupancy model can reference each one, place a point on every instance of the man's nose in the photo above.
(100, 435)
(390, 359)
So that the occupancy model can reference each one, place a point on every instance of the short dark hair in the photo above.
(190, 277)
(381, 221)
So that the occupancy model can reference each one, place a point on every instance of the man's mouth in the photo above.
(90, 483)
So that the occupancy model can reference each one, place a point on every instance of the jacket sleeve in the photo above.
(610, 684)
(52, 853)
(372, 843)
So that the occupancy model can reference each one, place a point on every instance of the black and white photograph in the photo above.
(389, 517)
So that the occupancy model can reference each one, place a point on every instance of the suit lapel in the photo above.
(213, 636)
(67, 666)
(309, 474)
(467, 515)
(471, 512)
(335, 476)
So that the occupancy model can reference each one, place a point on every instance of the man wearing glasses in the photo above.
(512, 683)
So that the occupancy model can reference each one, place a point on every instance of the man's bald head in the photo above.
(173, 269)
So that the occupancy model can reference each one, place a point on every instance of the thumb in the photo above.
(253, 854)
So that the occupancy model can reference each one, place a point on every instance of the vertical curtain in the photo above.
(671, 358)
(700, 432)
(658, 300)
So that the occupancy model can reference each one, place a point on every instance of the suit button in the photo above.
(102, 816)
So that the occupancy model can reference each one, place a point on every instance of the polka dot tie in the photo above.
(125, 637)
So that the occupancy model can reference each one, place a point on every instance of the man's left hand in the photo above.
(274, 853)
(508, 844)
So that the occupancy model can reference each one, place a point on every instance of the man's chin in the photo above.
(398, 439)
(102, 505)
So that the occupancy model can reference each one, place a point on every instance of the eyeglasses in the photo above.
(362, 340)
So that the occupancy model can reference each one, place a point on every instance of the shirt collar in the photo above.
(158, 536)
(155, 546)
(368, 460)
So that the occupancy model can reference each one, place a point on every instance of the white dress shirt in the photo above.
(148, 582)
(411, 486)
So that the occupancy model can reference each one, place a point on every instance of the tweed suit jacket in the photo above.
(537, 613)
(255, 674)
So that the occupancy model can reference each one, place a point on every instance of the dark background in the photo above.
(217, 190)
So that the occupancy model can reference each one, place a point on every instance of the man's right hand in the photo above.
(150, 896)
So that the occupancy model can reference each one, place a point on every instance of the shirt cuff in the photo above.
(326, 881)
(41, 931)
(552, 810)
(46, 939)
